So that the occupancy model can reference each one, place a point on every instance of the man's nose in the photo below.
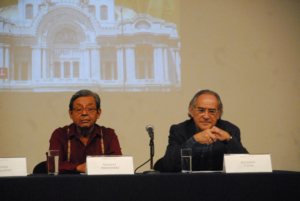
(206, 115)
(84, 112)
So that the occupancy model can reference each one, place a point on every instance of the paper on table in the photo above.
(13, 166)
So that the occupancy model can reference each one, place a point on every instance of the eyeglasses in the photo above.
(80, 110)
(202, 111)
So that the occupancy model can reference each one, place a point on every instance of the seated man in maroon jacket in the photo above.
(83, 137)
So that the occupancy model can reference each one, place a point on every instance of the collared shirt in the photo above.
(66, 138)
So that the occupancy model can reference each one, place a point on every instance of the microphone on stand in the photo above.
(150, 129)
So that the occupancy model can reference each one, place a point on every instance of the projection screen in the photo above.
(103, 45)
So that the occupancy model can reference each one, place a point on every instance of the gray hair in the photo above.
(206, 91)
(84, 93)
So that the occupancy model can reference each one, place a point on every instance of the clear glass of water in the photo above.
(53, 156)
(186, 160)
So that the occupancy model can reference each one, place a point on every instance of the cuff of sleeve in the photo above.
(227, 142)
(190, 142)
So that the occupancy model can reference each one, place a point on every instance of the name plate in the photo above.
(13, 167)
(103, 165)
(238, 163)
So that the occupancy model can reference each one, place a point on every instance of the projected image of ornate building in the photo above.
(66, 45)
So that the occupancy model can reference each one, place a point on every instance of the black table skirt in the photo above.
(279, 185)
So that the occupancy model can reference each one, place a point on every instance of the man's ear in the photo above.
(70, 114)
(191, 111)
(220, 111)
(98, 113)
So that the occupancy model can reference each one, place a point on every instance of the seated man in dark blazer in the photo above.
(205, 133)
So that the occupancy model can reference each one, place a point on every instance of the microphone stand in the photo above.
(151, 171)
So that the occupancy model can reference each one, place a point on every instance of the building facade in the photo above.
(66, 45)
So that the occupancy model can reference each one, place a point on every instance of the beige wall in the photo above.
(248, 51)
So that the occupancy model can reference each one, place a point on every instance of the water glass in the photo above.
(186, 160)
(53, 156)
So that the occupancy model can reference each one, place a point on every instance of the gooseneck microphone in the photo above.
(150, 129)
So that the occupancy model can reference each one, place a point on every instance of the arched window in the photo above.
(143, 25)
(29, 11)
(76, 69)
(108, 60)
(144, 68)
(103, 13)
(57, 71)
(67, 71)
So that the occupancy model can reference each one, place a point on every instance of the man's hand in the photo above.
(205, 137)
(211, 135)
(220, 134)
(81, 167)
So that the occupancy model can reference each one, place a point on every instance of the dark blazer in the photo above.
(180, 137)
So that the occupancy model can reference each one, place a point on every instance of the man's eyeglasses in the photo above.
(202, 111)
(80, 110)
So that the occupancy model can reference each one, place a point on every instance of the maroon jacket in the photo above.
(66, 138)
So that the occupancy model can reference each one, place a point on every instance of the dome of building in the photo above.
(127, 13)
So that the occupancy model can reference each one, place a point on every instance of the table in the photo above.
(278, 185)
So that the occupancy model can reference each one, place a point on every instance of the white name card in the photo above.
(13, 167)
(102, 165)
(237, 163)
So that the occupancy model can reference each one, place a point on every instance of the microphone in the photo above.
(150, 129)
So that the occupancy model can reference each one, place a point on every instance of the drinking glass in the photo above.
(53, 156)
(186, 160)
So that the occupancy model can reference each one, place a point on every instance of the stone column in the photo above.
(44, 64)
(177, 62)
(120, 64)
(1, 63)
(1, 57)
(158, 65)
(29, 71)
(166, 69)
(81, 65)
(7, 57)
(130, 65)
(95, 64)
(36, 64)
(7, 62)
(19, 71)
(51, 64)
(71, 69)
(12, 67)
(87, 65)
(62, 69)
